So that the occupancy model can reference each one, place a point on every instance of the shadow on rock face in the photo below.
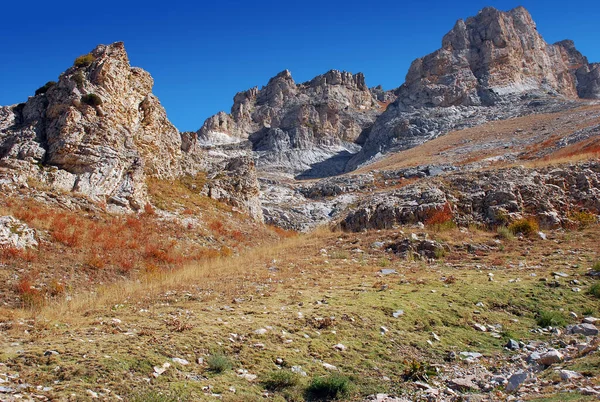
(334, 166)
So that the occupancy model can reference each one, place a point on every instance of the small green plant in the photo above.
(439, 253)
(383, 262)
(279, 380)
(525, 226)
(339, 255)
(84, 60)
(588, 312)
(154, 396)
(418, 371)
(91, 99)
(551, 319)
(79, 79)
(218, 363)
(45, 88)
(333, 386)
(596, 266)
(595, 290)
(504, 233)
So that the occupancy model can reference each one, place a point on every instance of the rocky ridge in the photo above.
(491, 66)
(292, 127)
(493, 197)
(100, 132)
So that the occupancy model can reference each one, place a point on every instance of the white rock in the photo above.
(567, 375)
(329, 367)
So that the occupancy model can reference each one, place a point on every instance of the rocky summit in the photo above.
(492, 66)
(324, 240)
(292, 128)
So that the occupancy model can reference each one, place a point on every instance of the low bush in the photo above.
(595, 290)
(45, 88)
(525, 226)
(441, 218)
(584, 219)
(218, 363)
(551, 319)
(418, 371)
(279, 380)
(91, 99)
(333, 386)
(84, 60)
(79, 79)
(505, 233)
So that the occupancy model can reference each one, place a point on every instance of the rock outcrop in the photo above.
(292, 127)
(97, 131)
(100, 132)
(491, 66)
(494, 197)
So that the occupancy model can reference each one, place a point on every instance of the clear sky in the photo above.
(202, 53)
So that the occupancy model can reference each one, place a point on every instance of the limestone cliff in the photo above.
(492, 66)
(96, 131)
(293, 126)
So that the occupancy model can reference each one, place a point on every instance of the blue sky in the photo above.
(200, 54)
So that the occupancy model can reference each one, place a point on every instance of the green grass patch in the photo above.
(550, 318)
(218, 363)
(333, 386)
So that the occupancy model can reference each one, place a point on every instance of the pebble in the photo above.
(515, 381)
(480, 327)
(584, 329)
(329, 367)
(339, 347)
(178, 360)
(550, 357)
(567, 375)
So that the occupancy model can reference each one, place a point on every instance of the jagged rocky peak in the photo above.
(293, 125)
(97, 131)
(493, 54)
(492, 66)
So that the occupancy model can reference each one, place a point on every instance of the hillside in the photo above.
(324, 240)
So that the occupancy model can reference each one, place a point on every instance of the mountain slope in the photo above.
(491, 66)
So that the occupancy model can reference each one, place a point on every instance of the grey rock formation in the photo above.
(97, 131)
(294, 127)
(237, 185)
(494, 197)
(16, 234)
(100, 132)
(491, 66)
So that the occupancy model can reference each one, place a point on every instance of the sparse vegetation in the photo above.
(84, 60)
(91, 99)
(43, 89)
(333, 386)
(219, 363)
(279, 380)
(595, 290)
(525, 226)
(505, 233)
(549, 318)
